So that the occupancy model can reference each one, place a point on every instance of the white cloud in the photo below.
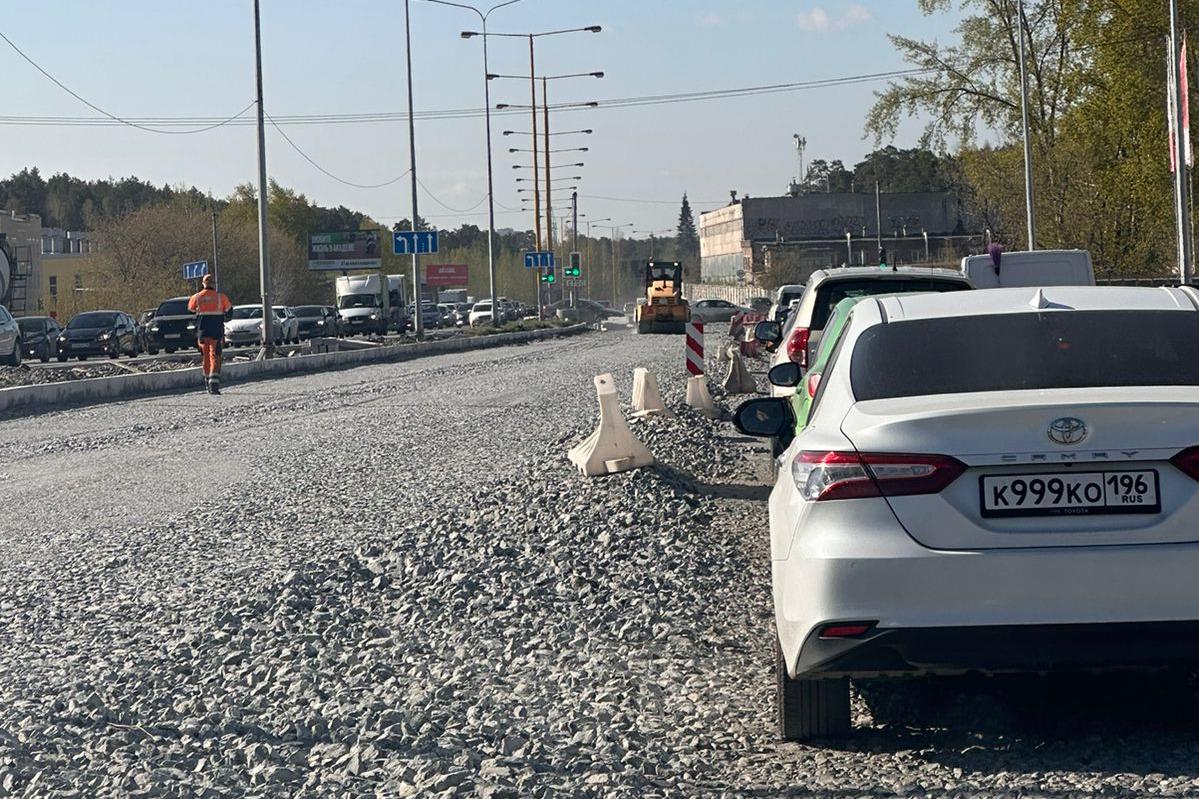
(709, 19)
(818, 20)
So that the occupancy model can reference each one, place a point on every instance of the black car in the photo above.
(172, 328)
(111, 333)
(39, 336)
(317, 320)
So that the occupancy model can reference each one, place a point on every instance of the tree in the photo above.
(826, 176)
(687, 242)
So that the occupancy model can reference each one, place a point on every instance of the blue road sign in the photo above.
(411, 242)
(195, 270)
(539, 260)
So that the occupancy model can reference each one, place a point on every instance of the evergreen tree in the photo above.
(687, 242)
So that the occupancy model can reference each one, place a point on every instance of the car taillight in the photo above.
(1188, 462)
(821, 476)
(797, 346)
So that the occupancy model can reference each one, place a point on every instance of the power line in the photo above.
(456, 113)
(650, 202)
(114, 117)
(326, 172)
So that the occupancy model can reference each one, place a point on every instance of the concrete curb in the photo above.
(27, 400)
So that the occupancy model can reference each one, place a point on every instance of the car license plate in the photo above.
(1070, 493)
(172, 335)
(79, 345)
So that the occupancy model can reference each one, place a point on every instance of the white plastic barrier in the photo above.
(699, 398)
(739, 380)
(612, 447)
(647, 398)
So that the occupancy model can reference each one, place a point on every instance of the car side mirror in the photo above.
(785, 375)
(766, 417)
(768, 332)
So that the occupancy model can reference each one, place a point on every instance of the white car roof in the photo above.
(982, 302)
(823, 275)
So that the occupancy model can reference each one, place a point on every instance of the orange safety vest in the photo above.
(209, 302)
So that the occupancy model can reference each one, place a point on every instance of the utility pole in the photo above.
(1028, 188)
(878, 214)
(549, 196)
(264, 256)
(216, 280)
(574, 247)
(418, 326)
(1181, 169)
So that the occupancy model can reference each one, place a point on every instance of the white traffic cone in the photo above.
(612, 447)
(647, 399)
(699, 398)
(739, 380)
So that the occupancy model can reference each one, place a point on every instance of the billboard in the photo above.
(340, 252)
(446, 274)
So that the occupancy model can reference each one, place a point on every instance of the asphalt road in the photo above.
(388, 581)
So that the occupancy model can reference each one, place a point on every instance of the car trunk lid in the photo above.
(1004, 441)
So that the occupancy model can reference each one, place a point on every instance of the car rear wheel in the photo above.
(62, 359)
(807, 708)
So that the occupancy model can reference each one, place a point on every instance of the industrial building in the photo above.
(761, 241)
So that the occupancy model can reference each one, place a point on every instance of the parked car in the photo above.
(782, 300)
(243, 328)
(480, 314)
(760, 304)
(39, 337)
(10, 339)
(315, 320)
(111, 333)
(289, 325)
(715, 311)
(510, 310)
(993, 481)
(332, 317)
(827, 287)
(172, 328)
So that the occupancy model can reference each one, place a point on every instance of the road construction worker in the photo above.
(210, 308)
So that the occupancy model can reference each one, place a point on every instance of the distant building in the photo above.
(68, 269)
(23, 235)
(758, 241)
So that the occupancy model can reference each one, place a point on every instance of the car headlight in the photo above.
(374, 316)
(320, 322)
(153, 328)
(191, 325)
(105, 336)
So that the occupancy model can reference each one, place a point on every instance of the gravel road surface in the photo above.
(389, 582)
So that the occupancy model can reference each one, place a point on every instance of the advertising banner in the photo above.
(341, 252)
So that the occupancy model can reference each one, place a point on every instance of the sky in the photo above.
(177, 58)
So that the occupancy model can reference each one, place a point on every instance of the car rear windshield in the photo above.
(832, 292)
(173, 308)
(1012, 352)
(86, 320)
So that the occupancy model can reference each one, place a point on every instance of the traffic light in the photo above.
(548, 276)
(575, 269)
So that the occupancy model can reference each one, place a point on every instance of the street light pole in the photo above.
(264, 256)
(1181, 203)
(418, 326)
(1028, 187)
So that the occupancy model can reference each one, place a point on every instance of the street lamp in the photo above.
(586, 131)
(560, 150)
(533, 94)
(533, 166)
(483, 15)
(555, 180)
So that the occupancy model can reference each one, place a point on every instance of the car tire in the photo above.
(14, 357)
(81, 357)
(62, 359)
(170, 350)
(810, 709)
(153, 350)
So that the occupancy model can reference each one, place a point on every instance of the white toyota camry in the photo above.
(999, 480)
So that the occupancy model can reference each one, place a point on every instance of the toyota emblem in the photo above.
(1067, 431)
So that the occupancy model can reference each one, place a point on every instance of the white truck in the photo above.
(1037, 268)
(360, 303)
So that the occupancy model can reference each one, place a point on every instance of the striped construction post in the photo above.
(695, 348)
